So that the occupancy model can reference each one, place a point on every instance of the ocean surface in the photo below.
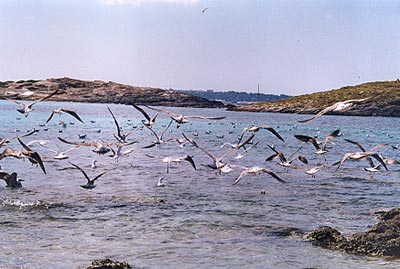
(199, 219)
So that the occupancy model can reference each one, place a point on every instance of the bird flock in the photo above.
(222, 159)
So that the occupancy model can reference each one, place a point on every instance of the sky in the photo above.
(286, 47)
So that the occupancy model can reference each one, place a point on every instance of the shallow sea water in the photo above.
(199, 219)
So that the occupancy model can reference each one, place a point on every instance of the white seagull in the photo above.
(254, 170)
(339, 106)
(27, 108)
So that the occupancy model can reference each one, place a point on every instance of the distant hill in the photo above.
(98, 91)
(384, 101)
(234, 97)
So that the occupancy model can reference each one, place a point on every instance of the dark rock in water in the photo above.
(109, 264)
(325, 236)
(383, 239)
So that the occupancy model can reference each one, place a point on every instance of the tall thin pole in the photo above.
(258, 91)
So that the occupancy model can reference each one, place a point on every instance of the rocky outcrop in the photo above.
(384, 101)
(109, 264)
(100, 92)
(383, 239)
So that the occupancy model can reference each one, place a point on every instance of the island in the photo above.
(98, 91)
(384, 100)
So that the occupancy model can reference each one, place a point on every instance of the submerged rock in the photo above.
(109, 264)
(383, 239)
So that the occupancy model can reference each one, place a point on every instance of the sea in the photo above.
(199, 219)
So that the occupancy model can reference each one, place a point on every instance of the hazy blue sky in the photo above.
(290, 47)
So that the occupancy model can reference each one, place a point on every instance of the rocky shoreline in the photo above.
(384, 101)
(100, 92)
(382, 240)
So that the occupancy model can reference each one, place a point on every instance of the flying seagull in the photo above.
(318, 145)
(27, 108)
(61, 110)
(217, 163)
(171, 159)
(181, 119)
(339, 106)
(150, 120)
(255, 129)
(121, 137)
(90, 182)
(254, 170)
(286, 162)
(11, 180)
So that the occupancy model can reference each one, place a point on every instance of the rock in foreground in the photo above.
(109, 264)
(383, 239)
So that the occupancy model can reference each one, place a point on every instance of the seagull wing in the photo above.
(17, 102)
(205, 118)
(344, 158)
(356, 143)
(305, 138)
(116, 122)
(273, 175)
(378, 158)
(51, 116)
(243, 173)
(322, 112)
(98, 176)
(191, 161)
(72, 113)
(44, 98)
(142, 111)
(80, 169)
(35, 157)
(272, 130)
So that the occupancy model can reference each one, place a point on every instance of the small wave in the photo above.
(23, 204)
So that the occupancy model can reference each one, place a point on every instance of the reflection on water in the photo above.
(198, 219)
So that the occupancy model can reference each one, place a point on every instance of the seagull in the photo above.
(339, 106)
(150, 120)
(217, 163)
(373, 170)
(32, 156)
(160, 182)
(374, 148)
(181, 119)
(359, 156)
(170, 159)
(61, 110)
(313, 171)
(120, 136)
(5, 141)
(159, 138)
(94, 164)
(28, 153)
(90, 182)
(11, 180)
(254, 170)
(26, 109)
(317, 144)
(60, 155)
(100, 147)
(283, 161)
(255, 129)
(240, 155)
(204, 10)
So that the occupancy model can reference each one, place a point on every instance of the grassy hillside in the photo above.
(384, 100)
